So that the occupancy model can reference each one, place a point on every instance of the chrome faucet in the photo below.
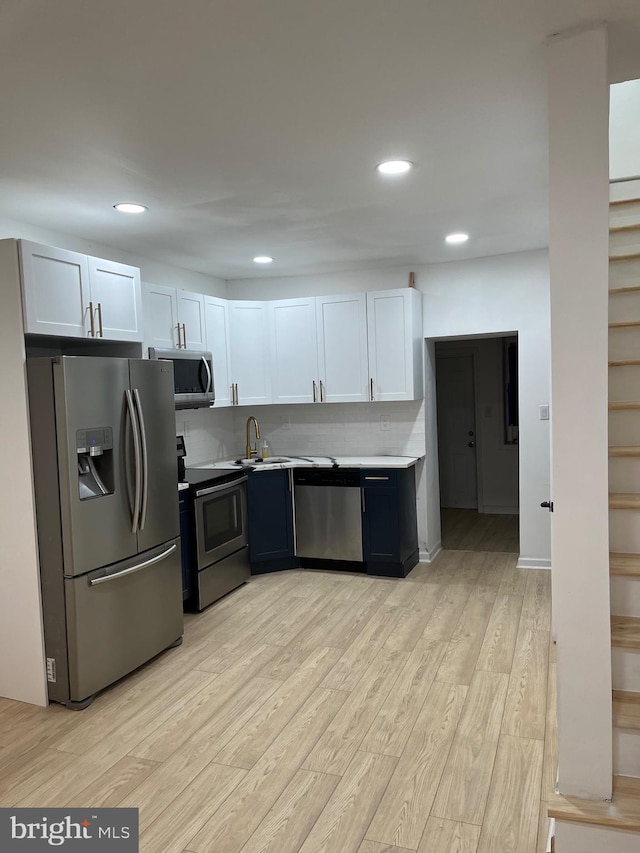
(249, 451)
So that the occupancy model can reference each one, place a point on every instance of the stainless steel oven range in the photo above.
(220, 556)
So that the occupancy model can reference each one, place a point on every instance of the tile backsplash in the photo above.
(332, 429)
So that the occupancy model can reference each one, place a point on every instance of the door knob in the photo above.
(547, 505)
(471, 444)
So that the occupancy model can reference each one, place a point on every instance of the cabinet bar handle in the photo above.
(371, 389)
(237, 398)
(321, 391)
(179, 336)
(100, 318)
(362, 500)
(184, 336)
(376, 478)
(315, 395)
(91, 322)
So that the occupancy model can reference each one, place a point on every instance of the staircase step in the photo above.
(622, 813)
(626, 709)
(624, 451)
(633, 256)
(623, 406)
(634, 288)
(625, 632)
(624, 500)
(624, 201)
(627, 565)
(623, 229)
(627, 324)
(629, 362)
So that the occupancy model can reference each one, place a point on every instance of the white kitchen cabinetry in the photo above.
(249, 353)
(217, 338)
(117, 300)
(191, 320)
(160, 316)
(341, 323)
(294, 351)
(394, 333)
(71, 295)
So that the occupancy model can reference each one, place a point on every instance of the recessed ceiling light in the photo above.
(128, 207)
(263, 259)
(394, 167)
(456, 238)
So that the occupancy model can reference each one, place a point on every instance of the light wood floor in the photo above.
(322, 713)
(469, 530)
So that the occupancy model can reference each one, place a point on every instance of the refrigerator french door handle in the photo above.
(132, 569)
(145, 460)
(135, 514)
(209, 377)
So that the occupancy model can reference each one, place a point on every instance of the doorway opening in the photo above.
(478, 427)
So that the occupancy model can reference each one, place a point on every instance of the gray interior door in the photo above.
(90, 395)
(153, 391)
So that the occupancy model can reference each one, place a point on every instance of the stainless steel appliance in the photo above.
(192, 374)
(328, 514)
(221, 558)
(104, 465)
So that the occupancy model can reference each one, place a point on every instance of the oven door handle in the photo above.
(214, 489)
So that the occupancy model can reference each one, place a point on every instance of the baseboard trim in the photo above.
(533, 563)
(429, 556)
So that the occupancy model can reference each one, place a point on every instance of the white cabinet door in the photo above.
(160, 316)
(294, 351)
(342, 348)
(191, 318)
(217, 328)
(395, 345)
(55, 290)
(249, 351)
(117, 301)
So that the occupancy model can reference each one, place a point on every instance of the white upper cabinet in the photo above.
(394, 330)
(342, 348)
(191, 320)
(55, 291)
(294, 351)
(160, 316)
(71, 295)
(249, 353)
(217, 329)
(117, 300)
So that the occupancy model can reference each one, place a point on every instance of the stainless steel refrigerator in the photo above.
(104, 464)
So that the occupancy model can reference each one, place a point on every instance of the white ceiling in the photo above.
(253, 126)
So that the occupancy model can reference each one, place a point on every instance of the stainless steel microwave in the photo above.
(192, 376)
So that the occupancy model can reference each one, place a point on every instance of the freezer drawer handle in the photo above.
(145, 461)
(133, 569)
(376, 478)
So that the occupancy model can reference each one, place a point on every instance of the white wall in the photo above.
(579, 249)
(624, 130)
(497, 462)
(22, 674)
(505, 293)
(151, 271)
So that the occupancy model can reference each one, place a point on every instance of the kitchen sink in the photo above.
(257, 462)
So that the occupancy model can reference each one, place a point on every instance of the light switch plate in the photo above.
(385, 423)
(544, 413)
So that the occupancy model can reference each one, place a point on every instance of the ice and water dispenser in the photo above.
(94, 448)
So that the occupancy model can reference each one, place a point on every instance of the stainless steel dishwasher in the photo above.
(328, 514)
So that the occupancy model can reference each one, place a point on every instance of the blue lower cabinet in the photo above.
(270, 510)
(186, 544)
(389, 521)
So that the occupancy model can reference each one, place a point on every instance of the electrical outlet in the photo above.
(286, 422)
(385, 423)
(544, 413)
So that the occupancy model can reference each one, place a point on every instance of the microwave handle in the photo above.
(209, 377)
(221, 488)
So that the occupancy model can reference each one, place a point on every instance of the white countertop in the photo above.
(320, 462)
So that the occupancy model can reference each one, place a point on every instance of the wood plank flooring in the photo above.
(469, 530)
(317, 712)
